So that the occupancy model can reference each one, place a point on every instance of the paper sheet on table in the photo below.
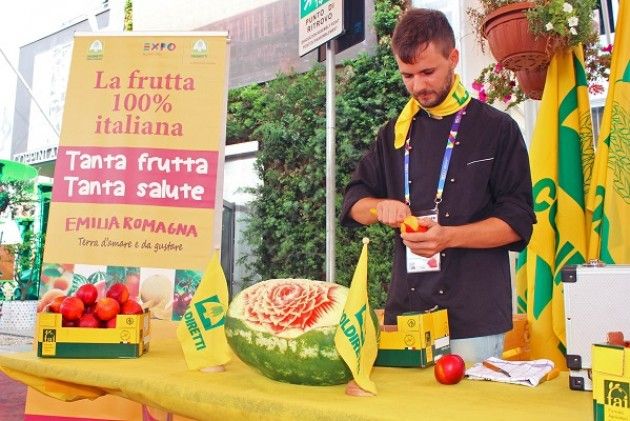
(527, 373)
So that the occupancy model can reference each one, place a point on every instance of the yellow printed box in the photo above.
(611, 382)
(129, 339)
(417, 340)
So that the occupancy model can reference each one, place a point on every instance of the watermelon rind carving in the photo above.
(285, 328)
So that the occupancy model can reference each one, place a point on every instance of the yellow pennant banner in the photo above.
(356, 339)
(609, 196)
(201, 331)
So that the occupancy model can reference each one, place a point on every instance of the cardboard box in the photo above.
(417, 340)
(611, 382)
(516, 344)
(129, 339)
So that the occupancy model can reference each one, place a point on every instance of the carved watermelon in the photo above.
(286, 327)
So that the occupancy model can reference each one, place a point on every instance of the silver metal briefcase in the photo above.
(596, 301)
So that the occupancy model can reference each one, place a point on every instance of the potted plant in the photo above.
(19, 293)
(496, 83)
(523, 35)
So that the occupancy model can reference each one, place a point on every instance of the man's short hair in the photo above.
(417, 28)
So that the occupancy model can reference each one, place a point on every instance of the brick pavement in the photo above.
(12, 399)
(12, 393)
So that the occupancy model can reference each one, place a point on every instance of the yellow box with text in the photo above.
(417, 340)
(129, 339)
(611, 382)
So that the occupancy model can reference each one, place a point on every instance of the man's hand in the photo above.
(488, 233)
(371, 210)
(392, 212)
(426, 244)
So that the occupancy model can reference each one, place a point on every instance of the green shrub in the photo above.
(286, 228)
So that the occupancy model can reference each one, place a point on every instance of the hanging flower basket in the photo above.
(510, 40)
(532, 81)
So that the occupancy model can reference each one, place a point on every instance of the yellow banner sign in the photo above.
(137, 188)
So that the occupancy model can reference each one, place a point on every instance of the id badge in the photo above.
(415, 263)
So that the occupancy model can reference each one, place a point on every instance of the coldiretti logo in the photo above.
(199, 49)
(616, 393)
(211, 312)
(95, 50)
(355, 332)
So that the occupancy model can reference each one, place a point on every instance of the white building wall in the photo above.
(151, 15)
(239, 174)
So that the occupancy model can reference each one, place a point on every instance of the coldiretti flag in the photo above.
(201, 331)
(355, 338)
(609, 196)
(561, 157)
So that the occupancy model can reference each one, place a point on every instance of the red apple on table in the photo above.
(106, 308)
(449, 369)
(118, 292)
(87, 293)
(71, 308)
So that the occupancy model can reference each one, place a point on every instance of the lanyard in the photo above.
(445, 161)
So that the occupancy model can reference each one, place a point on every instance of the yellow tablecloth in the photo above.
(160, 379)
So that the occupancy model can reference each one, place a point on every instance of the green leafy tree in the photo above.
(128, 21)
(286, 229)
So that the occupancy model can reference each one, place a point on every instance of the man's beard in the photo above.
(441, 94)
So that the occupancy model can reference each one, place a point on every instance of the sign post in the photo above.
(320, 22)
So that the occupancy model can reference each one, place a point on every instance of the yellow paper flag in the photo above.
(201, 331)
(356, 339)
(609, 196)
(561, 157)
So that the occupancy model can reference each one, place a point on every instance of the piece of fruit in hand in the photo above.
(411, 224)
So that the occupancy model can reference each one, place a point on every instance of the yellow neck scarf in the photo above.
(456, 99)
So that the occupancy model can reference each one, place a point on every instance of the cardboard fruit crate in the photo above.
(611, 382)
(417, 340)
(129, 339)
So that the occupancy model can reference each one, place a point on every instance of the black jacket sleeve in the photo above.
(511, 184)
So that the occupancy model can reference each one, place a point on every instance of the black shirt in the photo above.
(488, 176)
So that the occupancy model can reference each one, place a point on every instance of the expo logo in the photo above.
(159, 46)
